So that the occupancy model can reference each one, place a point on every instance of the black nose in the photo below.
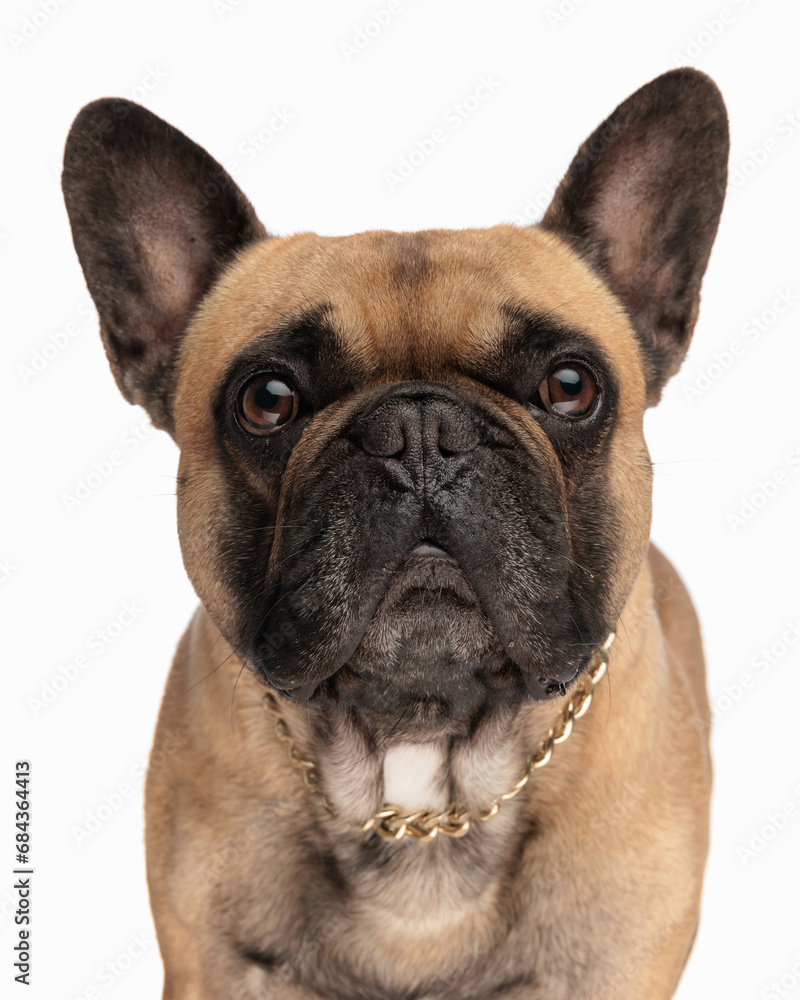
(416, 427)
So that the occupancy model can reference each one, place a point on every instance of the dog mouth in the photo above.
(430, 652)
(426, 549)
(430, 649)
(427, 571)
(430, 582)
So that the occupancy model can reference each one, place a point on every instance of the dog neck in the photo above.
(362, 772)
(471, 770)
(414, 776)
(414, 769)
(360, 769)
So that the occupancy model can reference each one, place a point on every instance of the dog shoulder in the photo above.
(680, 625)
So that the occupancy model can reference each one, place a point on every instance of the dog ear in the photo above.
(154, 221)
(641, 203)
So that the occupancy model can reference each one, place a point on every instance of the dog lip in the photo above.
(296, 691)
(426, 548)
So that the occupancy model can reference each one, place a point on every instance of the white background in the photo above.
(219, 73)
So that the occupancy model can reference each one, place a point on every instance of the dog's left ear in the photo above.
(154, 221)
(641, 203)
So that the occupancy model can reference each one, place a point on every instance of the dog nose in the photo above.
(418, 428)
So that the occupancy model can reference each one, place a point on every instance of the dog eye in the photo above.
(568, 391)
(266, 404)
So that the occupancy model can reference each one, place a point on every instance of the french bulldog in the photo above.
(414, 499)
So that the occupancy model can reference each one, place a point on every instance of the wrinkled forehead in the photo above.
(405, 304)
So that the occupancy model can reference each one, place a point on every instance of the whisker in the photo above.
(191, 686)
(233, 693)
(377, 746)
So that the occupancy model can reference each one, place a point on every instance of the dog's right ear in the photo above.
(641, 203)
(154, 221)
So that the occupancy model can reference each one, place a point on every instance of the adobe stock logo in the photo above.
(114, 800)
(97, 642)
(260, 139)
(711, 29)
(564, 9)
(454, 117)
(751, 332)
(750, 504)
(757, 156)
(772, 826)
(35, 22)
(102, 469)
(770, 655)
(367, 32)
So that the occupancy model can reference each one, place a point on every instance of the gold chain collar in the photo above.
(392, 823)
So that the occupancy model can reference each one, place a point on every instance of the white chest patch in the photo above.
(414, 776)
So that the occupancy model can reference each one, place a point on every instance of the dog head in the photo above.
(413, 476)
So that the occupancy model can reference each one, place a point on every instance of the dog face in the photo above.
(401, 408)
(413, 477)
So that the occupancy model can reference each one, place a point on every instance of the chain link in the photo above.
(391, 823)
